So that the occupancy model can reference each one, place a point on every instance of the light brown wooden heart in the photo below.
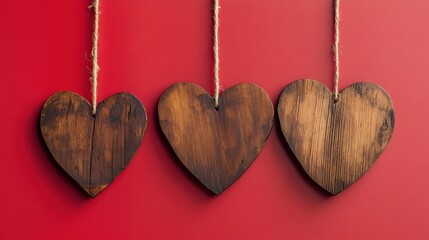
(93, 150)
(216, 145)
(336, 142)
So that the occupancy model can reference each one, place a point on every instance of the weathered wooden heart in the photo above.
(216, 145)
(336, 142)
(93, 150)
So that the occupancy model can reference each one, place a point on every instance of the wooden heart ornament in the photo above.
(93, 150)
(216, 145)
(336, 142)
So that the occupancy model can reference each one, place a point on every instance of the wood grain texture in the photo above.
(336, 142)
(93, 150)
(216, 145)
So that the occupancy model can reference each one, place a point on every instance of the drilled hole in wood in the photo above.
(216, 106)
(336, 98)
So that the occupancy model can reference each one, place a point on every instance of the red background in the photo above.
(145, 46)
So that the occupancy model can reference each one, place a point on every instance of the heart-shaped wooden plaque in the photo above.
(216, 145)
(336, 142)
(93, 150)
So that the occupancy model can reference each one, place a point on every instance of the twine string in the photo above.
(94, 55)
(335, 48)
(216, 51)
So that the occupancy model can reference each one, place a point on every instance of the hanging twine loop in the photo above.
(335, 48)
(94, 55)
(216, 8)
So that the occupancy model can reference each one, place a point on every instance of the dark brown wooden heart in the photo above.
(216, 145)
(336, 142)
(93, 150)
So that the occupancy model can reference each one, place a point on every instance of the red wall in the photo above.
(145, 46)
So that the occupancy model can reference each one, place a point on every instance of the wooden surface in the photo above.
(216, 145)
(93, 150)
(336, 142)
